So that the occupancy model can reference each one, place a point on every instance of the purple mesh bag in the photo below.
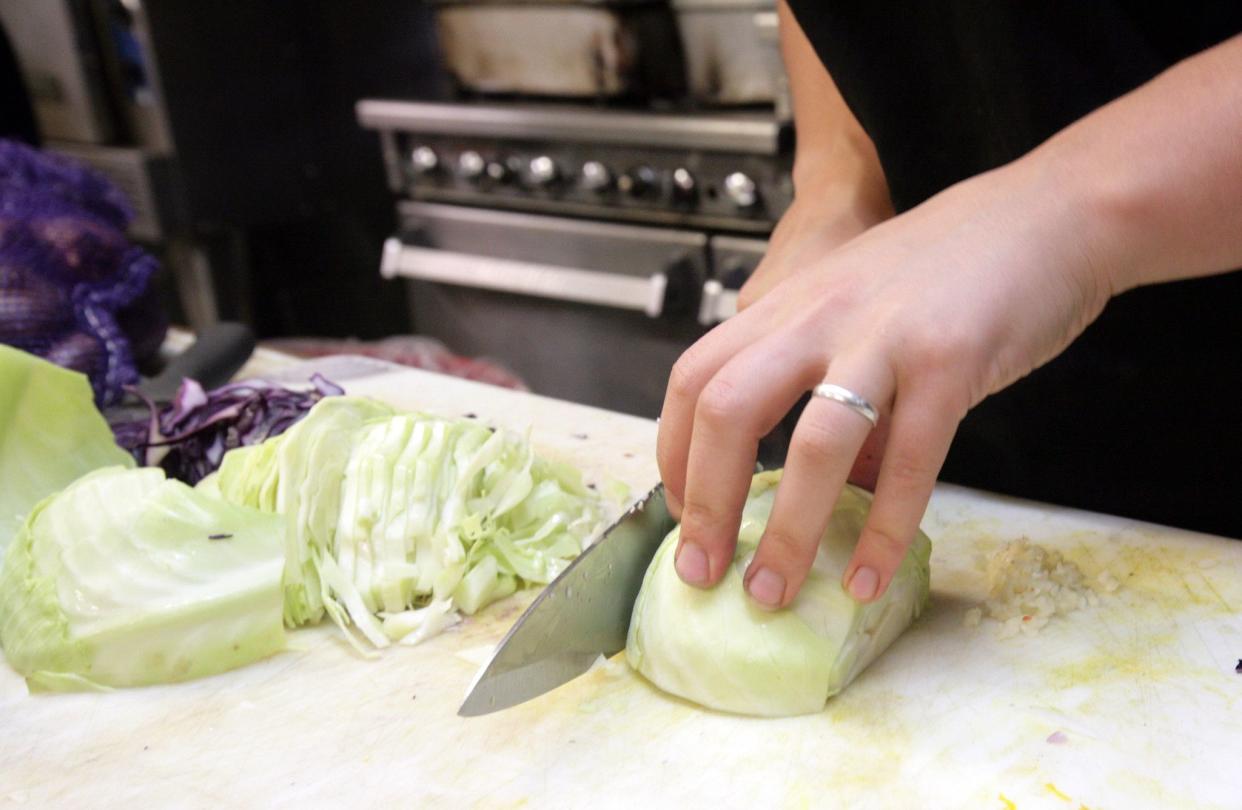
(72, 287)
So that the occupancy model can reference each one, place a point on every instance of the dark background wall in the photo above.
(260, 96)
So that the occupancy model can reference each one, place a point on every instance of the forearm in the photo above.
(839, 187)
(1157, 174)
(836, 168)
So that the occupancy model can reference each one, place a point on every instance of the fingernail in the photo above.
(863, 584)
(691, 564)
(767, 587)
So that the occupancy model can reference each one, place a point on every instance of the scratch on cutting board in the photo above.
(513, 803)
(1169, 565)
(1154, 791)
(1160, 571)
(1224, 603)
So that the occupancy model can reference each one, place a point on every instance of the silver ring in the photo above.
(849, 399)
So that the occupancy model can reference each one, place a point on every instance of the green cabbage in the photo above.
(298, 475)
(716, 648)
(50, 434)
(393, 522)
(127, 579)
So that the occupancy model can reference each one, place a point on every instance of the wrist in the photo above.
(831, 194)
(1105, 216)
(1065, 218)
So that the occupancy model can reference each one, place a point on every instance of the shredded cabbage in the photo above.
(50, 434)
(127, 579)
(387, 514)
(718, 649)
(189, 436)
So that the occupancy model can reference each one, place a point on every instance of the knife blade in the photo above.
(582, 614)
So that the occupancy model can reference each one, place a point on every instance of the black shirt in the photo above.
(1138, 417)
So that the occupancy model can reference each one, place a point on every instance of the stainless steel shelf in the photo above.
(721, 132)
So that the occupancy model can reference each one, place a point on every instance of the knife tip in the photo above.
(470, 707)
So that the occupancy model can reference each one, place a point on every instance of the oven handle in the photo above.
(639, 293)
(718, 303)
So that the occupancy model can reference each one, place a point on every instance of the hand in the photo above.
(826, 214)
(924, 316)
(822, 218)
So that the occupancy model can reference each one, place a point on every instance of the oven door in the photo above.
(587, 311)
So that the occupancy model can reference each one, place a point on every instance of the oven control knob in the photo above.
(471, 165)
(685, 187)
(640, 182)
(501, 172)
(424, 160)
(596, 177)
(543, 171)
(741, 190)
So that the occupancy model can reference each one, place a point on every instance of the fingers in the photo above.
(918, 442)
(691, 373)
(866, 471)
(741, 403)
(767, 275)
(825, 443)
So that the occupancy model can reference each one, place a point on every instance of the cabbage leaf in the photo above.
(50, 435)
(128, 579)
(717, 648)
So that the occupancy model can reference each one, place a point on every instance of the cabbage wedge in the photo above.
(716, 648)
(128, 579)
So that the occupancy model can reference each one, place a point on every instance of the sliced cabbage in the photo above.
(716, 648)
(128, 579)
(298, 475)
(387, 514)
(50, 434)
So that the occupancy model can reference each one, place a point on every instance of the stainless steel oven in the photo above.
(589, 311)
(586, 243)
(586, 249)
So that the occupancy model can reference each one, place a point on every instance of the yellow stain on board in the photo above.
(1124, 662)
(1051, 788)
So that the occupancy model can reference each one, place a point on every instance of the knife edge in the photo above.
(581, 615)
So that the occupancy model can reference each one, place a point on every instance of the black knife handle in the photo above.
(215, 356)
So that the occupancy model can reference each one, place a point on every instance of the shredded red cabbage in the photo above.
(190, 435)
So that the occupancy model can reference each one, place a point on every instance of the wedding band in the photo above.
(849, 399)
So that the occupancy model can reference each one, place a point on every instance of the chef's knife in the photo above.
(217, 352)
(583, 614)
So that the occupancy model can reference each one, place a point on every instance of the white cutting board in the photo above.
(1141, 689)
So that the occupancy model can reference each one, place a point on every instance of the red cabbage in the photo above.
(190, 435)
